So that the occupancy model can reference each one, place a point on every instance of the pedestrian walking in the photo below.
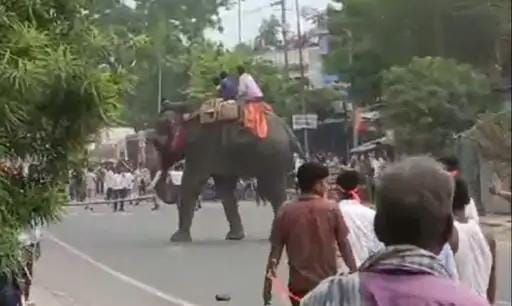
(312, 230)
(475, 253)
(109, 183)
(414, 221)
(90, 185)
(118, 190)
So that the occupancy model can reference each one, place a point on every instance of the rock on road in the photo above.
(105, 259)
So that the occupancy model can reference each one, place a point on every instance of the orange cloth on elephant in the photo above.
(255, 119)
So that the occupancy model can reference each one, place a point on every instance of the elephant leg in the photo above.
(273, 188)
(190, 189)
(226, 189)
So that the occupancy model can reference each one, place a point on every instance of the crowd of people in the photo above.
(117, 182)
(423, 234)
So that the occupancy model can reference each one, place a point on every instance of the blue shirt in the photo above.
(228, 89)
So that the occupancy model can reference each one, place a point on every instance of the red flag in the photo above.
(359, 124)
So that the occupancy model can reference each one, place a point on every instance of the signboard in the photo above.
(307, 121)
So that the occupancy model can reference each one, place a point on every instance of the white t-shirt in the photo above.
(176, 177)
(90, 180)
(117, 181)
(109, 179)
(359, 220)
(473, 257)
(471, 211)
(127, 179)
(247, 87)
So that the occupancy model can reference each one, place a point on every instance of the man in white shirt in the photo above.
(90, 185)
(248, 89)
(360, 222)
(109, 183)
(128, 181)
(118, 190)
(359, 218)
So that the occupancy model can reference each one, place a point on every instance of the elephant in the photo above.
(226, 152)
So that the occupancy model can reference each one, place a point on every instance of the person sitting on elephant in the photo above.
(228, 87)
(248, 89)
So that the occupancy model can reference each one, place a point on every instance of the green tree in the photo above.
(57, 90)
(268, 34)
(209, 59)
(430, 100)
(171, 29)
(395, 31)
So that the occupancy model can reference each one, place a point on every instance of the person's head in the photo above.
(311, 178)
(414, 204)
(223, 75)
(450, 163)
(461, 195)
(216, 81)
(348, 181)
(240, 69)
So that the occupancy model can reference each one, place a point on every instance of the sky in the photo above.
(253, 12)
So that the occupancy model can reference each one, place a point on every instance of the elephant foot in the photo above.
(235, 235)
(181, 236)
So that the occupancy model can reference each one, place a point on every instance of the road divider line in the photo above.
(119, 275)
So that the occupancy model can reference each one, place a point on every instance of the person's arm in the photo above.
(341, 232)
(497, 191)
(491, 289)
(507, 195)
(276, 250)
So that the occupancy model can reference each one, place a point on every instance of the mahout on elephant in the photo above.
(225, 150)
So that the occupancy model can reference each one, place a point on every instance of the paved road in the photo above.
(104, 259)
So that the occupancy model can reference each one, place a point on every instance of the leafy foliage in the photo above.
(208, 60)
(395, 31)
(172, 28)
(268, 35)
(430, 100)
(57, 90)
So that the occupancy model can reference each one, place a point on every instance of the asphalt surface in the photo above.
(104, 259)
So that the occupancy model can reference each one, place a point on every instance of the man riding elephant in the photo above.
(225, 151)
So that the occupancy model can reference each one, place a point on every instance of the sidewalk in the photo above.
(43, 297)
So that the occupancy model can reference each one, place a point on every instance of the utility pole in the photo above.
(302, 74)
(159, 107)
(239, 21)
(284, 32)
(285, 36)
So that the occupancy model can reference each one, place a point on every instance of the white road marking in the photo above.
(502, 303)
(121, 276)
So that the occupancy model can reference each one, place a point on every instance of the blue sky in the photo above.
(253, 12)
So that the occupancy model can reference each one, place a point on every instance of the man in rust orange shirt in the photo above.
(311, 229)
